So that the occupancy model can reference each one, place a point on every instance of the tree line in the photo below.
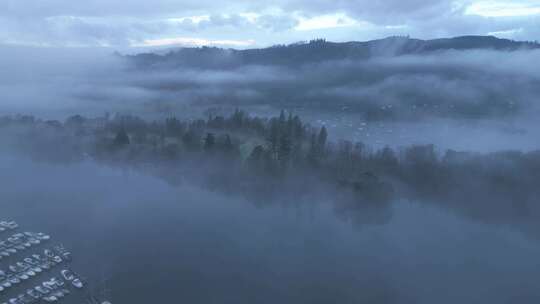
(268, 158)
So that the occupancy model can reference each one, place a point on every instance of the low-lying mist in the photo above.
(150, 240)
(281, 159)
(443, 97)
(166, 192)
(458, 84)
(455, 84)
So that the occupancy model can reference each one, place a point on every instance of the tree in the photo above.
(282, 118)
(192, 140)
(256, 160)
(298, 128)
(173, 127)
(321, 139)
(285, 148)
(122, 138)
(226, 146)
(209, 142)
(312, 153)
(238, 118)
(75, 121)
(273, 136)
(257, 154)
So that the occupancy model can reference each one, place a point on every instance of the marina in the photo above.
(6, 226)
(32, 271)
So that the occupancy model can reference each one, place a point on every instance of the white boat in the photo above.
(77, 283)
(50, 299)
(8, 225)
(41, 290)
(32, 293)
(20, 273)
(68, 275)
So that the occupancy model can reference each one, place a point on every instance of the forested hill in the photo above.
(322, 50)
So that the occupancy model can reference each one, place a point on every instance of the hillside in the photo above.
(322, 50)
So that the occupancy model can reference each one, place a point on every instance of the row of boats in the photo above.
(33, 266)
(18, 274)
(8, 225)
(51, 290)
(20, 242)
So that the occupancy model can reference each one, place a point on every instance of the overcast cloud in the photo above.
(244, 23)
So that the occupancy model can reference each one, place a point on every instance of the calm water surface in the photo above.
(154, 243)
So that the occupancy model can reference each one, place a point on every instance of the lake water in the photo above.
(155, 243)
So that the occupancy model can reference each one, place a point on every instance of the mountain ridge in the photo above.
(320, 50)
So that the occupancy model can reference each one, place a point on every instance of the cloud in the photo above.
(464, 84)
(121, 23)
(277, 22)
(234, 30)
(504, 9)
(378, 12)
(326, 21)
(449, 84)
(184, 41)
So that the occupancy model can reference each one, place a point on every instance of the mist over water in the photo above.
(462, 135)
(146, 239)
(153, 241)
(458, 100)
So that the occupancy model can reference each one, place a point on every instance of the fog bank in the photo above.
(444, 98)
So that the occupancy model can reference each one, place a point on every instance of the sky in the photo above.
(124, 24)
